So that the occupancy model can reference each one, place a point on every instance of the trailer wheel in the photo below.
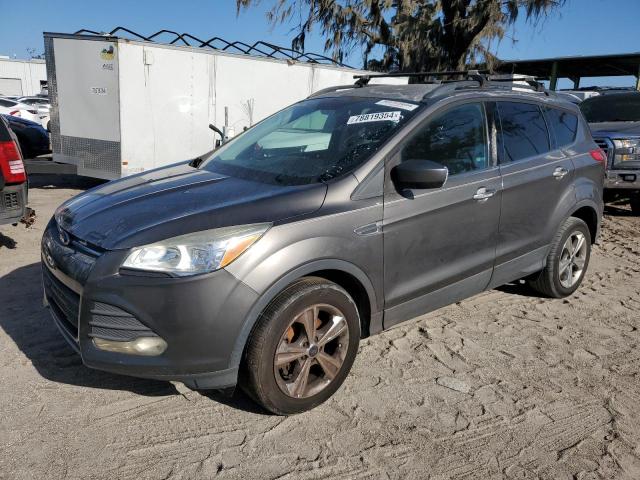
(635, 203)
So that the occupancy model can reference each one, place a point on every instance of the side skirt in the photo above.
(437, 299)
(519, 267)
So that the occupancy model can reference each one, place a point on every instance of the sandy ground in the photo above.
(503, 385)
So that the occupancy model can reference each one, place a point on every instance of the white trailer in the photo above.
(122, 106)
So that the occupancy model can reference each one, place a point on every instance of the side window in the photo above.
(524, 131)
(564, 125)
(455, 138)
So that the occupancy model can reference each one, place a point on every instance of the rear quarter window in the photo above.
(524, 131)
(564, 126)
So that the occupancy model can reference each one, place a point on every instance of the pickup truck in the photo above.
(614, 119)
(13, 178)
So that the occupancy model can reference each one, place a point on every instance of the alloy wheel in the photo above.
(311, 351)
(573, 258)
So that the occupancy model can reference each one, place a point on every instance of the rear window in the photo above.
(616, 107)
(524, 131)
(564, 126)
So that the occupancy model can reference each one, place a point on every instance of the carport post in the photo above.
(553, 79)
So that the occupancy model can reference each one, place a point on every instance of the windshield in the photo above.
(612, 108)
(312, 141)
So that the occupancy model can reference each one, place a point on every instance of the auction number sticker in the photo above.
(394, 104)
(375, 117)
(98, 90)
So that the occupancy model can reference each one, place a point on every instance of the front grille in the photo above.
(64, 302)
(10, 201)
(112, 323)
(75, 260)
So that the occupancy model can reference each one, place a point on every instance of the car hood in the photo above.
(177, 200)
(615, 129)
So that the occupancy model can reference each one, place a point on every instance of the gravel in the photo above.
(503, 385)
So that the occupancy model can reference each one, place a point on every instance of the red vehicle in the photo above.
(13, 178)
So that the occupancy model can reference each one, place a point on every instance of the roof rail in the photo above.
(332, 89)
(445, 73)
(473, 79)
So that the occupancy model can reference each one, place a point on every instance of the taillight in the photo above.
(599, 156)
(11, 164)
(15, 113)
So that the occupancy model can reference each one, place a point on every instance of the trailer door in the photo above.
(85, 99)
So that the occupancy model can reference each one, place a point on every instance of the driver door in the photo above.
(440, 244)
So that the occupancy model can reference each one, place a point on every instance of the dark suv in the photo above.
(336, 218)
(13, 178)
(614, 118)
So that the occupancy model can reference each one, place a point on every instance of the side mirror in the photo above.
(419, 174)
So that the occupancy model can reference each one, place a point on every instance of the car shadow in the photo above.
(520, 288)
(7, 242)
(234, 398)
(30, 326)
(54, 181)
(614, 210)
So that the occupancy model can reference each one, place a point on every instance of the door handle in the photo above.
(483, 194)
(560, 172)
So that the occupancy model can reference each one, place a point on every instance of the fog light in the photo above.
(147, 346)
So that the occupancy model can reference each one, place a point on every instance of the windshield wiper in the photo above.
(330, 173)
(196, 162)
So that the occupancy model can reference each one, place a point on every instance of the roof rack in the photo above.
(472, 79)
(259, 49)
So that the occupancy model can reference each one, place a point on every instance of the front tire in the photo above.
(567, 261)
(635, 203)
(302, 347)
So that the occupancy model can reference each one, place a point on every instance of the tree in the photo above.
(407, 35)
(32, 52)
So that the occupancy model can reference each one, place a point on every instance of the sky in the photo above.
(582, 27)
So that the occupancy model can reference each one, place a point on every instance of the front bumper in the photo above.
(13, 203)
(622, 180)
(199, 317)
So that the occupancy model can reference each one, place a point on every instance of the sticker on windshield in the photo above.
(392, 103)
(375, 117)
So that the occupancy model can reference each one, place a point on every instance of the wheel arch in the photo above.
(589, 215)
(343, 273)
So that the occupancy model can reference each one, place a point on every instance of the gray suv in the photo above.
(341, 216)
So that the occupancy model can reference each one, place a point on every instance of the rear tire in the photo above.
(302, 347)
(635, 203)
(567, 261)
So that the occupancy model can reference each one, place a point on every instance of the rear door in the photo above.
(439, 244)
(537, 183)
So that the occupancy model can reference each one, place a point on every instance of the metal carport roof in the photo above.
(577, 67)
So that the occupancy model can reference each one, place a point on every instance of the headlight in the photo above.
(627, 150)
(195, 253)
